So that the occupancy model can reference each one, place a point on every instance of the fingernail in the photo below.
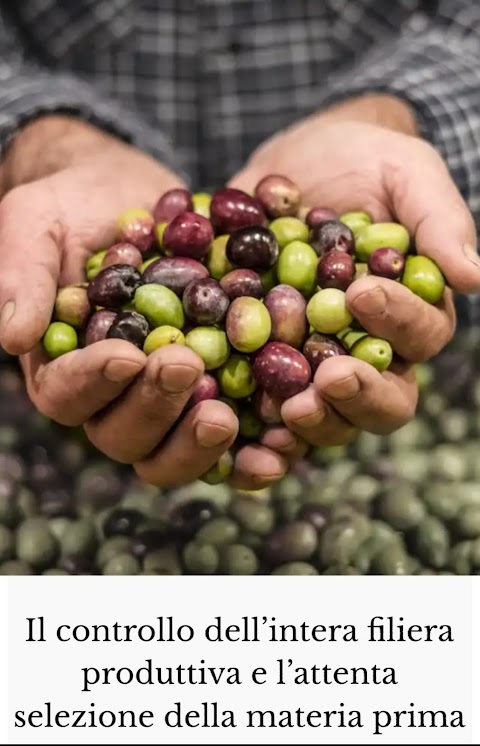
(310, 420)
(347, 388)
(120, 371)
(7, 312)
(210, 435)
(372, 302)
(174, 379)
(470, 252)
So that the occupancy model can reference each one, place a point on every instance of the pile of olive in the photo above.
(255, 285)
(408, 503)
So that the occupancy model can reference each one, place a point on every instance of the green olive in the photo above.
(289, 229)
(441, 500)
(355, 221)
(297, 266)
(159, 231)
(253, 515)
(250, 426)
(377, 352)
(460, 558)
(248, 324)
(148, 262)
(423, 277)
(269, 279)
(351, 337)
(327, 311)
(201, 558)
(468, 522)
(162, 336)
(201, 203)
(210, 344)
(392, 559)
(35, 544)
(376, 236)
(122, 564)
(79, 538)
(236, 379)
(94, 264)
(401, 508)
(432, 542)
(59, 339)
(218, 531)
(221, 471)
(238, 559)
(163, 561)
(217, 262)
(295, 568)
(159, 305)
(110, 548)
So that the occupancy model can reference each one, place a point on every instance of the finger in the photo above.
(282, 440)
(130, 429)
(72, 388)
(257, 467)
(379, 403)
(443, 226)
(27, 286)
(315, 421)
(196, 445)
(416, 330)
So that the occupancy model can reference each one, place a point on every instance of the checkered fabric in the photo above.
(200, 83)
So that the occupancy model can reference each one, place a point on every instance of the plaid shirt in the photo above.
(200, 83)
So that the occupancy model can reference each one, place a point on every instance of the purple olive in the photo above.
(136, 226)
(387, 262)
(268, 408)
(281, 370)
(286, 307)
(278, 195)
(319, 215)
(189, 234)
(123, 253)
(114, 286)
(332, 234)
(206, 388)
(130, 326)
(319, 347)
(175, 272)
(336, 269)
(171, 204)
(253, 247)
(205, 302)
(231, 209)
(318, 515)
(99, 325)
(293, 542)
(241, 282)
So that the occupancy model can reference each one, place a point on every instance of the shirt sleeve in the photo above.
(28, 91)
(433, 64)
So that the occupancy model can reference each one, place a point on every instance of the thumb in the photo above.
(427, 202)
(30, 262)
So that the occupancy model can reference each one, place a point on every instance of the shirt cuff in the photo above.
(437, 74)
(24, 98)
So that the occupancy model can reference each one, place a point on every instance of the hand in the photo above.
(67, 182)
(364, 155)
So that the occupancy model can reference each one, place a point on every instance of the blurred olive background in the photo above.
(398, 505)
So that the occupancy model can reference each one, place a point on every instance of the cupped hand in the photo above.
(132, 407)
(350, 165)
